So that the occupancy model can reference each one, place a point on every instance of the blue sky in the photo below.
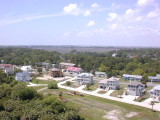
(80, 22)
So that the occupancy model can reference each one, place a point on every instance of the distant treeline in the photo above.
(132, 61)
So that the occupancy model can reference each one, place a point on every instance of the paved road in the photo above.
(142, 104)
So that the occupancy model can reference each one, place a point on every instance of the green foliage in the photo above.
(19, 102)
(68, 83)
(52, 85)
(27, 94)
(88, 86)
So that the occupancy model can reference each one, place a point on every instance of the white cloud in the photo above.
(71, 9)
(112, 16)
(66, 34)
(113, 26)
(129, 12)
(154, 13)
(87, 13)
(14, 21)
(142, 3)
(95, 5)
(91, 23)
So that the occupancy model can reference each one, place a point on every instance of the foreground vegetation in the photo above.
(17, 102)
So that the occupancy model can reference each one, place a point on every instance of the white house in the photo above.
(154, 78)
(155, 93)
(132, 77)
(26, 68)
(100, 74)
(7, 68)
(111, 83)
(23, 76)
(85, 78)
(136, 88)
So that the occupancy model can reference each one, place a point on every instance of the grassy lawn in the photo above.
(146, 96)
(102, 92)
(118, 93)
(38, 87)
(94, 108)
(37, 81)
(92, 87)
(73, 85)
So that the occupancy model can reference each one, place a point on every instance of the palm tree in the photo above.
(152, 103)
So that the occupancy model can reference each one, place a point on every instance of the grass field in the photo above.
(95, 108)
(92, 87)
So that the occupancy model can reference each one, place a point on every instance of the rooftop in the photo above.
(74, 68)
(110, 79)
(135, 76)
(85, 74)
(135, 83)
(6, 65)
(67, 64)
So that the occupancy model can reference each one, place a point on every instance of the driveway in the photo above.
(126, 100)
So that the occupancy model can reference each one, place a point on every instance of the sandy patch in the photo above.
(131, 114)
(114, 115)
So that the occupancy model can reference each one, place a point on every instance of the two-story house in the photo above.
(23, 76)
(85, 78)
(100, 74)
(110, 84)
(155, 93)
(7, 68)
(136, 88)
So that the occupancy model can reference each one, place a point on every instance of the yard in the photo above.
(105, 109)
(72, 84)
(92, 87)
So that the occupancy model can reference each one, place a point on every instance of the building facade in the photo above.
(132, 77)
(154, 78)
(110, 84)
(85, 78)
(23, 76)
(136, 88)
(100, 74)
(55, 72)
(7, 68)
(155, 93)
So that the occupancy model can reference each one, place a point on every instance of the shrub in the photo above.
(52, 85)
(27, 94)
(68, 83)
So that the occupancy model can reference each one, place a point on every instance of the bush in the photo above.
(27, 94)
(68, 83)
(52, 85)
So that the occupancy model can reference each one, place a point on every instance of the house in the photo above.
(7, 68)
(74, 70)
(111, 83)
(154, 78)
(56, 72)
(136, 88)
(155, 93)
(64, 65)
(100, 74)
(23, 76)
(85, 78)
(26, 68)
(132, 77)
(44, 64)
(114, 54)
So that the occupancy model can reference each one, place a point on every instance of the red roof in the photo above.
(74, 68)
(6, 65)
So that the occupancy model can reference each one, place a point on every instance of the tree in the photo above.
(27, 94)
(52, 85)
(152, 103)
(88, 86)
(102, 68)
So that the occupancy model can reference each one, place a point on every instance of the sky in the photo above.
(80, 22)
